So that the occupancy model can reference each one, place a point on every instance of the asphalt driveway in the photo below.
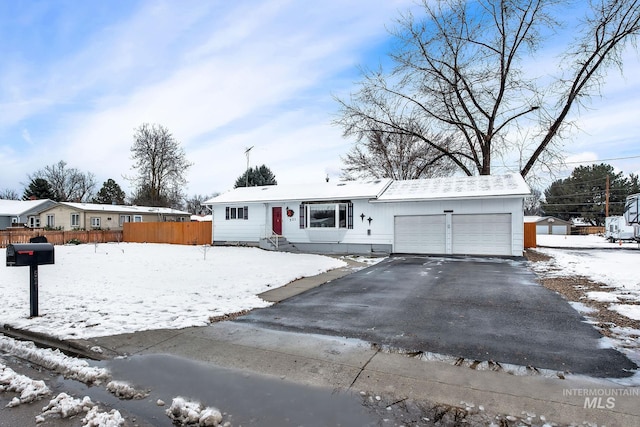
(485, 309)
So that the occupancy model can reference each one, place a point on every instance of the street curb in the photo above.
(73, 347)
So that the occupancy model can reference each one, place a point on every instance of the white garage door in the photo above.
(482, 234)
(542, 229)
(419, 234)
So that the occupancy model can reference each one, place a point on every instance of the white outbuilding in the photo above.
(477, 215)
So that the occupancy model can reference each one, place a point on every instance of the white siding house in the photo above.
(480, 215)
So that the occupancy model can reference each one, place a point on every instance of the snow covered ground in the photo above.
(618, 269)
(614, 265)
(114, 288)
(587, 241)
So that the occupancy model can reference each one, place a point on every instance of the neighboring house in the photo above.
(550, 225)
(22, 213)
(87, 216)
(481, 215)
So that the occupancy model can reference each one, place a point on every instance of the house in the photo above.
(479, 215)
(550, 225)
(70, 216)
(22, 213)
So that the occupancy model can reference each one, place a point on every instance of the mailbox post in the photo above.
(32, 255)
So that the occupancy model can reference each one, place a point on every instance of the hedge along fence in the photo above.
(22, 235)
(180, 233)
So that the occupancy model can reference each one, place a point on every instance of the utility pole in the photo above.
(606, 195)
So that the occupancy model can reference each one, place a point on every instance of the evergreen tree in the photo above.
(256, 177)
(583, 194)
(39, 188)
(109, 194)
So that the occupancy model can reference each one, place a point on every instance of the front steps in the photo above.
(283, 245)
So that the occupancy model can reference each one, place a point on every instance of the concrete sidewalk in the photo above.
(351, 364)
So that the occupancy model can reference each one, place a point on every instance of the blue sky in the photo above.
(77, 77)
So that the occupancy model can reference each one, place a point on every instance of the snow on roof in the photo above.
(456, 187)
(545, 219)
(320, 191)
(201, 218)
(122, 208)
(18, 207)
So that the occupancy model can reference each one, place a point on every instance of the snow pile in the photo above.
(183, 412)
(109, 289)
(29, 389)
(66, 406)
(69, 367)
(95, 418)
(123, 390)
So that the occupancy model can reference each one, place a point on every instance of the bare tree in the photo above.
(194, 206)
(68, 184)
(161, 166)
(533, 203)
(394, 155)
(459, 73)
(9, 194)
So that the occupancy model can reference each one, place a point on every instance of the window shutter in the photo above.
(350, 216)
(226, 212)
(302, 216)
(246, 212)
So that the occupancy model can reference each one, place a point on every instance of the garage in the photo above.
(472, 234)
(549, 225)
(482, 234)
(420, 234)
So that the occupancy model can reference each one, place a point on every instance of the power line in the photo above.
(577, 162)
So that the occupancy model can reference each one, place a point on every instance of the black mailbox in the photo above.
(31, 255)
(26, 254)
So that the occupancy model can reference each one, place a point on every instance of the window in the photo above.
(326, 215)
(237, 212)
(34, 222)
(124, 218)
(75, 220)
(137, 218)
(51, 221)
(95, 222)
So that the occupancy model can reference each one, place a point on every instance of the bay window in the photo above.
(326, 215)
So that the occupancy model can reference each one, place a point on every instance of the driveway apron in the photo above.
(484, 309)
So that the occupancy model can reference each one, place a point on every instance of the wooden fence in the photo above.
(587, 230)
(530, 235)
(22, 235)
(181, 233)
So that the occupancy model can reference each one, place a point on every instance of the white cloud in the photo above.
(26, 136)
(223, 76)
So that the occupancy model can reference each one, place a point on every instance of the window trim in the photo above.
(51, 220)
(339, 206)
(124, 218)
(236, 212)
(96, 222)
(75, 224)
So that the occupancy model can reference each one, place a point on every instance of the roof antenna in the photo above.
(246, 152)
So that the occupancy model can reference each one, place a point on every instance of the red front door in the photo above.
(276, 219)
